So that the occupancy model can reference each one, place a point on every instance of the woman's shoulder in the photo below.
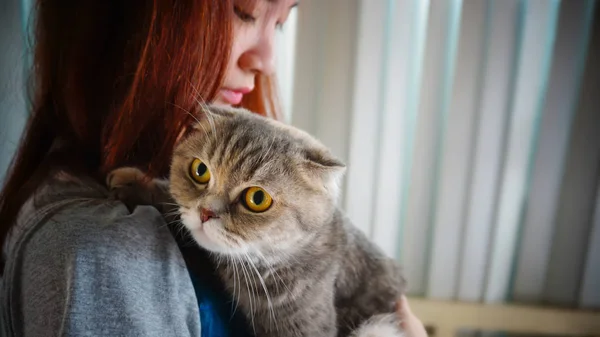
(72, 213)
(73, 241)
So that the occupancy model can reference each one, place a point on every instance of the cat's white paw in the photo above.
(380, 326)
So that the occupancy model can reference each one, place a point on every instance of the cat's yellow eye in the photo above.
(199, 172)
(257, 199)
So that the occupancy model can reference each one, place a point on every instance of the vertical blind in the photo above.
(471, 133)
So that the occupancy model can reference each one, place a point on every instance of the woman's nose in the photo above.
(260, 57)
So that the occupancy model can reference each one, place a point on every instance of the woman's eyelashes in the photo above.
(249, 18)
(243, 15)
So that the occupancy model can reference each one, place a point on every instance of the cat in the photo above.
(261, 196)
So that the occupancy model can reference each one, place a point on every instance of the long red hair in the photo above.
(114, 83)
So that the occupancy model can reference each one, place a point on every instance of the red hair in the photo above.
(115, 83)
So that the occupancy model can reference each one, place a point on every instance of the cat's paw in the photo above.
(384, 325)
(131, 186)
(124, 176)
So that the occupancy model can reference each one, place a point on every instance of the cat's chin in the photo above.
(201, 234)
(207, 243)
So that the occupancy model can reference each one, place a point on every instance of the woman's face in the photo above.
(253, 47)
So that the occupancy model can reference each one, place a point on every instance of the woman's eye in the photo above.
(256, 199)
(244, 16)
(199, 172)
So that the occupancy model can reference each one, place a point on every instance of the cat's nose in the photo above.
(207, 214)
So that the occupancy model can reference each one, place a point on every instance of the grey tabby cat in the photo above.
(261, 196)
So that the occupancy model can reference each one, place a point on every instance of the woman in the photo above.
(117, 83)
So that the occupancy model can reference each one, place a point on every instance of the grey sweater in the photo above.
(80, 264)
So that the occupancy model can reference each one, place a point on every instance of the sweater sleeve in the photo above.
(94, 269)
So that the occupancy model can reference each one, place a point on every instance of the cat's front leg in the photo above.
(134, 188)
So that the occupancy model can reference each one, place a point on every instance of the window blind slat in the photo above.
(532, 69)
(498, 78)
(551, 150)
(456, 153)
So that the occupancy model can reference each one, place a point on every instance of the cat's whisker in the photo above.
(277, 279)
(264, 286)
(199, 123)
(172, 213)
(169, 204)
(203, 128)
(184, 234)
(209, 116)
(189, 243)
(286, 256)
(239, 295)
(198, 98)
(195, 118)
(172, 216)
(254, 287)
(202, 105)
(247, 281)
(174, 222)
(235, 280)
(268, 151)
(262, 258)
(180, 227)
(167, 224)
(211, 121)
(172, 219)
(186, 111)
(273, 272)
(235, 240)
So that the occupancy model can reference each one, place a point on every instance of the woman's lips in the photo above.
(234, 96)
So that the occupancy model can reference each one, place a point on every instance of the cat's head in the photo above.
(250, 185)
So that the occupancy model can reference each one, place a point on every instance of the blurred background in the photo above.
(471, 129)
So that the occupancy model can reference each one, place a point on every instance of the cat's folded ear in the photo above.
(319, 163)
(323, 159)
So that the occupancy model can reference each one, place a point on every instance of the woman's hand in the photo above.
(410, 323)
